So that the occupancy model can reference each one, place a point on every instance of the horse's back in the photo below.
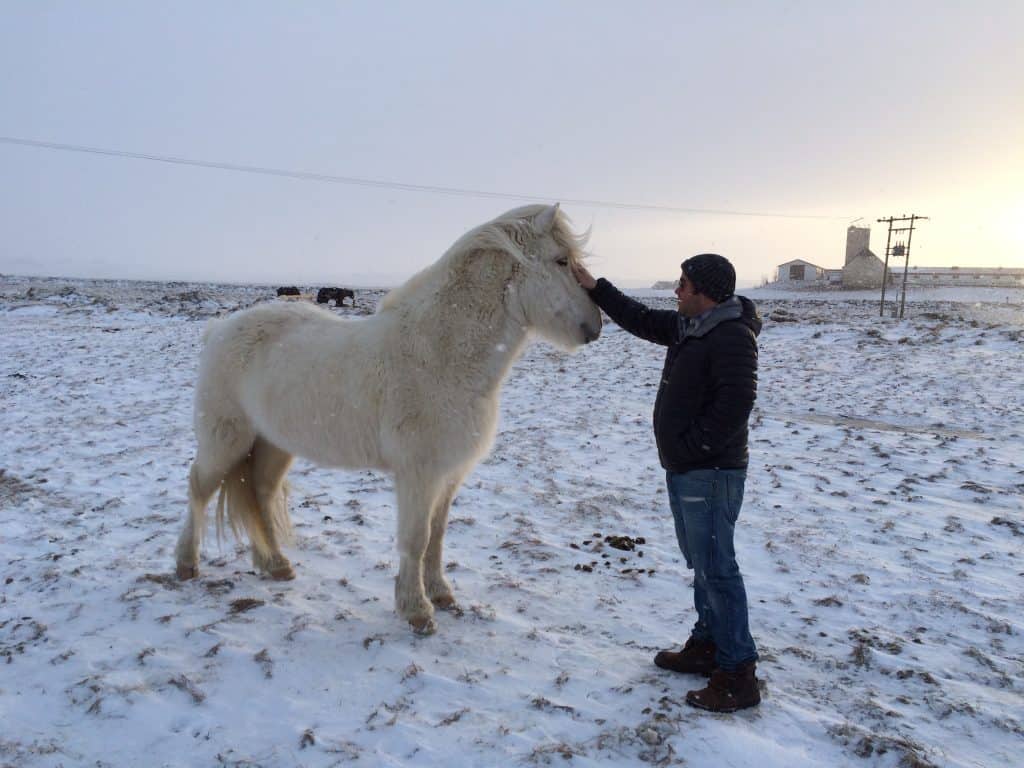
(251, 337)
(272, 317)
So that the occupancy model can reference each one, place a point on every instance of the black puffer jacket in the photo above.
(709, 382)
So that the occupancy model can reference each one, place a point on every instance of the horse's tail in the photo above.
(239, 509)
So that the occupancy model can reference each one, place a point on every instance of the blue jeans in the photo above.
(705, 505)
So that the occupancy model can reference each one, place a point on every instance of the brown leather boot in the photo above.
(696, 658)
(728, 691)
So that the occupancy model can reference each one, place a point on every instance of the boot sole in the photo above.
(722, 710)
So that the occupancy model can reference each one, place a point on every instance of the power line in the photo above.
(356, 181)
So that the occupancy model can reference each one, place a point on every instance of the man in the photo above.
(708, 387)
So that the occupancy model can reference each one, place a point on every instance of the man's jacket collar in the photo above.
(730, 309)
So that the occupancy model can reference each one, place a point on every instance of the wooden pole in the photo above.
(885, 270)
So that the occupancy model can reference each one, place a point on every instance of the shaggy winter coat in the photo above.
(412, 389)
(709, 381)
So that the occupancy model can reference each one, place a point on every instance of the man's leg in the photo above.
(684, 490)
(733, 684)
(698, 655)
(723, 582)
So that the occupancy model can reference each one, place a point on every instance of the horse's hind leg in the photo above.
(437, 587)
(224, 440)
(269, 465)
(416, 498)
(203, 482)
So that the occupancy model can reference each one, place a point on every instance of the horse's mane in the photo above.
(506, 235)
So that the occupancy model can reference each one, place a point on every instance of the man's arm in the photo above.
(660, 326)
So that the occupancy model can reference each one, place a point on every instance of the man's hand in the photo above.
(583, 277)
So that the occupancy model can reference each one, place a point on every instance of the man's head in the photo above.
(707, 279)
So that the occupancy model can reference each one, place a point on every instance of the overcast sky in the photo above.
(814, 112)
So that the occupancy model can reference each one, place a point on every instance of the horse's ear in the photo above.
(545, 220)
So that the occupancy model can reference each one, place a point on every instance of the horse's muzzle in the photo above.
(590, 332)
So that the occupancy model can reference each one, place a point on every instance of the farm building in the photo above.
(864, 270)
(978, 277)
(799, 272)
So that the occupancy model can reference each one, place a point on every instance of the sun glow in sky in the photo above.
(816, 112)
(1009, 225)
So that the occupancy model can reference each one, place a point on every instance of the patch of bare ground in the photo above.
(182, 683)
(244, 604)
(13, 489)
(18, 634)
(266, 663)
(454, 717)
(867, 743)
(165, 580)
(15, 753)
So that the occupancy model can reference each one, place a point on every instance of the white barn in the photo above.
(799, 272)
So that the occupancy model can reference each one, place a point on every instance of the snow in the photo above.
(880, 540)
(916, 294)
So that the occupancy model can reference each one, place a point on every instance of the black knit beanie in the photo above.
(711, 275)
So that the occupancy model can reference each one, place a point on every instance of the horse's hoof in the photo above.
(444, 602)
(186, 572)
(284, 573)
(423, 626)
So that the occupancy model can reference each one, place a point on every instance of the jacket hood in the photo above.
(734, 308)
(750, 315)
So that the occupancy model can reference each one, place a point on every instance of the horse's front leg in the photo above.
(416, 499)
(438, 589)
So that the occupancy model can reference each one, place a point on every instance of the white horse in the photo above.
(412, 389)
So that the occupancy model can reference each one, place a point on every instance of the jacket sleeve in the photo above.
(660, 326)
(732, 374)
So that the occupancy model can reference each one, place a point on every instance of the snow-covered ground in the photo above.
(915, 295)
(881, 541)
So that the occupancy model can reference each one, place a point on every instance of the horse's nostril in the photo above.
(590, 333)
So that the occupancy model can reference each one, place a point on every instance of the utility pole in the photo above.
(899, 249)
(885, 269)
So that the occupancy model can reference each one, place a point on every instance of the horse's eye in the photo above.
(562, 262)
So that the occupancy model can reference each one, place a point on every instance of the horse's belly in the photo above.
(442, 434)
(324, 418)
(330, 445)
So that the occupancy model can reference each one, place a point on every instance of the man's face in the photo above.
(690, 304)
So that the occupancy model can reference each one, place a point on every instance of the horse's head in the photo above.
(552, 303)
